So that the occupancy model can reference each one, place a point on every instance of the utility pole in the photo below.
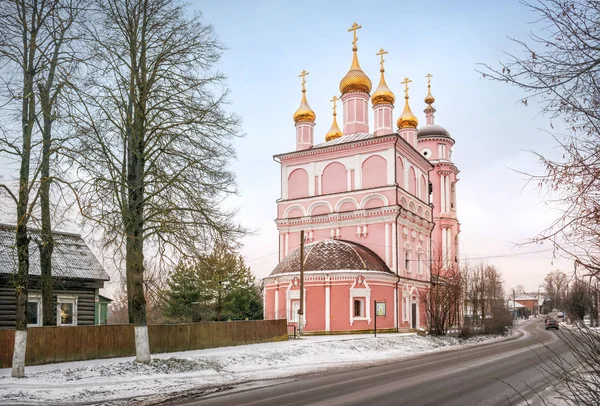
(514, 305)
(301, 310)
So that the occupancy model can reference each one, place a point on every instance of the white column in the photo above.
(284, 182)
(320, 185)
(394, 247)
(276, 303)
(387, 244)
(349, 179)
(448, 197)
(395, 307)
(287, 244)
(442, 193)
(327, 305)
(444, 247)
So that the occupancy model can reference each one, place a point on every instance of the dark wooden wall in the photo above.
(84, 290)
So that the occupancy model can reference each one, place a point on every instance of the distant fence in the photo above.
(59, 344)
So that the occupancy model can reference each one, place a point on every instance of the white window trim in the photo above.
(35, 297)
(66, 299)
(360, 293)
(362, 308)
(407, 264)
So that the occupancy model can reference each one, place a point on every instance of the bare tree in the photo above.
(555, 285)
(59, 59)
(559, 68)
(154, 140)
(22, 41)
(444, 298)
(578, 301)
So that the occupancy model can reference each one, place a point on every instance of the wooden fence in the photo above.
(59, 344)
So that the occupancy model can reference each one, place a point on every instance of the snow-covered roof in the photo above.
(524, 297)
(331, 255)
(71, 257)
(344, 139)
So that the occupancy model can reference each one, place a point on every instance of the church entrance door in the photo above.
(414, 315)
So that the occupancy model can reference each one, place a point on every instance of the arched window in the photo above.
(424, 189)
(412, 181)
(374, 172)
(399, 172)
(297, 184)
(453, 196)
(334, 178)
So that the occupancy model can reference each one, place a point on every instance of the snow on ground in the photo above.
(109, 380)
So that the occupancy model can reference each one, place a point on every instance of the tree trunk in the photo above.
(47, 244)
(22, 237)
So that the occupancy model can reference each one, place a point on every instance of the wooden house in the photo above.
(77, 278)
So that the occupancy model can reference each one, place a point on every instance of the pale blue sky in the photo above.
(270, 42)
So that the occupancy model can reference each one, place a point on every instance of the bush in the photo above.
(501, 320)
(465, 332)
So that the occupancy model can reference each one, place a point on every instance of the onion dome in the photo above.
(304, 114)
(429, 99)
(355, 80)
(407, 119)
(332, 255)
(383, 94)
(334, 132)
(433, 130)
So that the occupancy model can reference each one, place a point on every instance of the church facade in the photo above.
(377, 207)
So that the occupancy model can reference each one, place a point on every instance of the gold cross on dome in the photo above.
(429, 76)
(334, 100)
(381, 53)
(354, 28)
(303, 76)
(405, 82)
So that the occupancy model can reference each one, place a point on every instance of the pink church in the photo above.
(377, 206)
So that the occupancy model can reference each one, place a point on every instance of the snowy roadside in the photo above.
(109, 380)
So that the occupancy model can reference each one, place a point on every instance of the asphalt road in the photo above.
(495, 374)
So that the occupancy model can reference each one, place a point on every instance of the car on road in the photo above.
(560, 314)
(551, 323)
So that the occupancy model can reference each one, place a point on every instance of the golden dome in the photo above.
(383, 94)
(429, 99)
(334, 132)
(304, 114)
(355, 80)
(407, 119)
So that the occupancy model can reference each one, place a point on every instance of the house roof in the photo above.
(332, 255)
(71, 257)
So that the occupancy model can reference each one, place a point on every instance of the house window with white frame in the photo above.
(66, 311)
(420, 264)
(359, 308)
(34, 310)
(407, 260)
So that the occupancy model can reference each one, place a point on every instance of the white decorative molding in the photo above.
(318, 204)
(288, 209)
(294, 294)
(360, 293)
(347, 199)
(372, 196)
